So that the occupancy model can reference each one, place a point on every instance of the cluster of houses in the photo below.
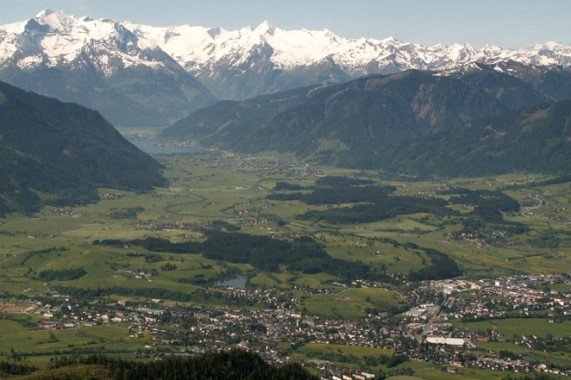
(513, 296)
(426, 332)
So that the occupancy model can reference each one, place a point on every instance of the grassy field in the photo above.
(233, 189)
(207, 188)
(464, 373)
(424, 371)
(353, 303)
(353, 357)
(343, 355)
(521, 326)
(354, 351)
(39, 345)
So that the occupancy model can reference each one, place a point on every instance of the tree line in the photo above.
(262, 252)
(228, 365)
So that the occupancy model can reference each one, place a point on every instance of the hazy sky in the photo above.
(508, 23)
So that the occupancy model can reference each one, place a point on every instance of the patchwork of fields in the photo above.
(208, 193)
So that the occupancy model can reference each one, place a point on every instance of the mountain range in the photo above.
(240, 64)
(362, 103)
(60, 153)
(143, 75)
(413, 122)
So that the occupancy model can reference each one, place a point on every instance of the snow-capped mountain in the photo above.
(221, 58)
(200, 49)
(53, 39)
(100, 64)
(137, 74)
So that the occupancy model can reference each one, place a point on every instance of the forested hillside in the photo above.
(475, 123)
(59, 153)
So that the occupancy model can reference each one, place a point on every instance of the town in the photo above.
(272, 323)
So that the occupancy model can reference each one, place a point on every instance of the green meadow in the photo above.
(531, 326)
(354, 303)
(39, 345)
(208, 188)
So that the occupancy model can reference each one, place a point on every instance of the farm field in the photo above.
(509, 327)
(205, 189)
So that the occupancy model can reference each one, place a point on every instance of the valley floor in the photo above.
(66, 290)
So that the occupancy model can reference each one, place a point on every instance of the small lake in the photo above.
(155, 147)
(239, 283)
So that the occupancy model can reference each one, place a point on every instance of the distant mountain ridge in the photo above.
(367, 122)
(143, 75)
(59, 153)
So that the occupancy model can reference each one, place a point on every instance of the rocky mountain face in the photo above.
(100, 64)
(59, 153)
(356, 123)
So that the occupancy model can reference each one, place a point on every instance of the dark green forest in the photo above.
(263, 252)
(61, 274)
(441, 267)
(370, 203)
(229, 365)
(59, 154)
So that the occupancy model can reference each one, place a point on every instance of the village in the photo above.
(429, 331)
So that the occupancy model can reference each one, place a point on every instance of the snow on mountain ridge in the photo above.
(53, 39)
(56, 38)
(304, 47)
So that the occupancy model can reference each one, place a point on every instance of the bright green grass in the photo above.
(518, 349)
(403, 223)
(8, 328)
(208, 188)
(343, 356)
(379, 297)
(331, 306)
(352, 303)
(372, 252)
(561, 287)
(111, 339)
(465, 374)
(283, 346)
(273, 280)
(521, 326)
(318, 280)
(347, 350)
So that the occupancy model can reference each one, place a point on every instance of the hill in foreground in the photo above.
(59, 153)
(234, 365)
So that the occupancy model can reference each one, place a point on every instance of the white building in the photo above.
(444, 340)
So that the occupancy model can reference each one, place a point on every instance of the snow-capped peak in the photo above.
(44, 13)
(200, 49)
(264, 28)
(57, 21)
(55, 38)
